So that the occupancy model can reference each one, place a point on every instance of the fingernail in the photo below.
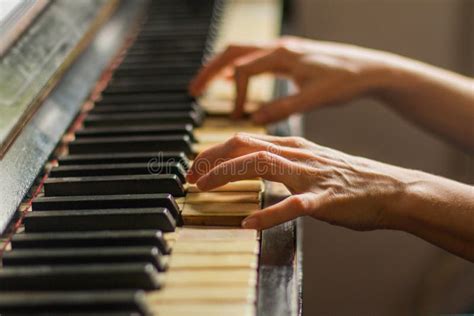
(249, 223)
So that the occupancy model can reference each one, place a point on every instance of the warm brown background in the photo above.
(384, 272)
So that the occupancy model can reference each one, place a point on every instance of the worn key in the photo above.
(158, 67)
(143, 98)
(152, 107)
(104, 185)
(148, 157)
(119, 169)
(149, 118)
(80, 277)
(96, 255)
(124, 144)
(94, 220)
(131, 302)
(127, 131)
(55, 203)
(171, 82)
(122, 238)
(160, 71)
(174, 86)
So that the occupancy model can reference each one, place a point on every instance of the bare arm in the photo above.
(437, 99)
(329, 73)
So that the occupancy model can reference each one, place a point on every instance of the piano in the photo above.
(97, 132)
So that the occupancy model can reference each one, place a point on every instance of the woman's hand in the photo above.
(344, 190)
(326, 184)
(330, 73)
(325, 73)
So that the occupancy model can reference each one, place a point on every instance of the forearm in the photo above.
(436, 99)
(438, 210)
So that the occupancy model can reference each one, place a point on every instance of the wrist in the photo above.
(415, 189)
(397, 77)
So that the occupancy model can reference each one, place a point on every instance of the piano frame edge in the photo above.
(280, 275)
(25, 159)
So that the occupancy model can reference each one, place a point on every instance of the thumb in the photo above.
(286, 210)
(282, 108)
(329, 91)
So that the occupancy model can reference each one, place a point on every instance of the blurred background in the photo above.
(386, 272)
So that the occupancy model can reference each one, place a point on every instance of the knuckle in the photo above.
(239, 140)
(273, 149)
(297, 141)
(262, 156)
(301, 203)
(282, 49)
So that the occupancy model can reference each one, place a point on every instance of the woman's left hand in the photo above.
(326, 184)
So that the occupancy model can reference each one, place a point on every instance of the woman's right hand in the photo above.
(325, 73)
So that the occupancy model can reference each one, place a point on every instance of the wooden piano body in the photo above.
(278, 287)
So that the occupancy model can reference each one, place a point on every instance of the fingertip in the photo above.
(192, 176)
(202, 183)
(250, 223)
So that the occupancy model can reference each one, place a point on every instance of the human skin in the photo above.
(329, 73)
(332, 186)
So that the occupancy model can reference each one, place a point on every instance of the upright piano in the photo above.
(97, 132)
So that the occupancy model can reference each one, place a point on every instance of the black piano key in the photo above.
(157, 67)
(166, 26)
(143, 98)
(55, 203)
(131, 144)
(149, 118)
(148, 157)
(162, 58)
(157, 107)
(122, 238)
(94, 220)
(100, 255)
(165, 57)
(188, 52)
(119, 169)
(74, 303)
(155, 71)
(80, 277)
(104, 185)
(135, 86)
(169, 44)
(184, 33)
(148, 130)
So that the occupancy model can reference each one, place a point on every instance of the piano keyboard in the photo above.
(116, 228)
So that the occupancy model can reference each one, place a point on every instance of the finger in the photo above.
(290, 141)
(216, 65)
(286, 210)
(264, 61)
(321, 92)
(259, 164)
(284, 107)
(239, 145)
